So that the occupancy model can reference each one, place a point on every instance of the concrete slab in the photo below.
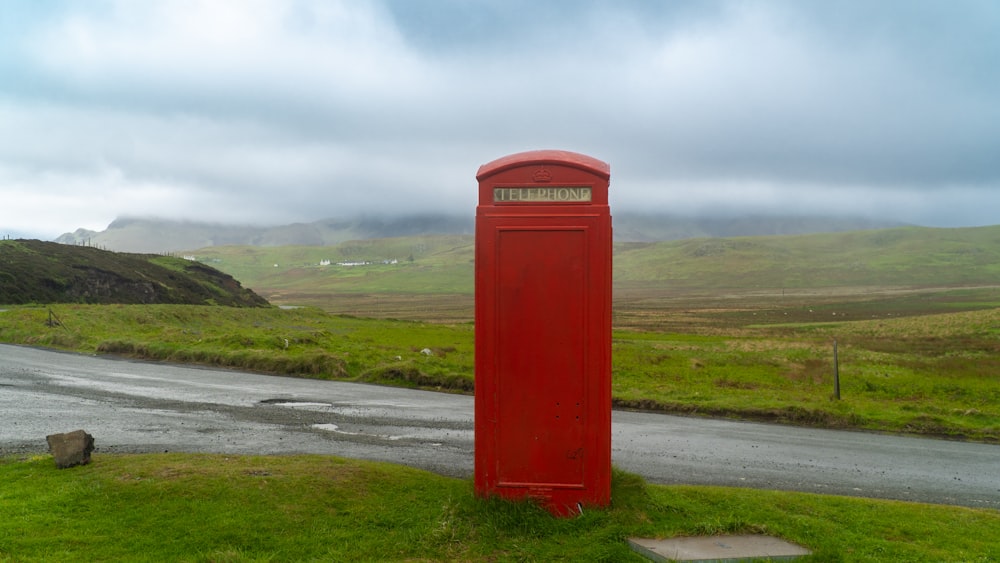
(717, 549)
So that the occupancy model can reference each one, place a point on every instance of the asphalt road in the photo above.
(151, 407)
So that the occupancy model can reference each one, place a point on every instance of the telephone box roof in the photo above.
(542, 157)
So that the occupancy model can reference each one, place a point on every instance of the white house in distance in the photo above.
(360, 263)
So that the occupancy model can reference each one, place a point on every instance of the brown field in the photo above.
(655, 308)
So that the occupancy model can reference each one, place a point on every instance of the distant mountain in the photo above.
(161, 235)
(33, 271)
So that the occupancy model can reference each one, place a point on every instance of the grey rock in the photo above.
(71, 448)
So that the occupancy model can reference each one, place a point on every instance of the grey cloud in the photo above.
(310, 109)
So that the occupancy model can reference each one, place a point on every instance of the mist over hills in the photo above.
(151, 235)
(163, 235)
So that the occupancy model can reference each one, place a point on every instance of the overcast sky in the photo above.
(280, 111)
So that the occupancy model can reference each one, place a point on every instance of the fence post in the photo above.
(836, 372)
(55, 321)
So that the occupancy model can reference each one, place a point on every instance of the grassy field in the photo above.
(432, 278)
(739, 328)
(932, 375)
(923, 374)
(301, 342)
(901, 257)
(174, 507)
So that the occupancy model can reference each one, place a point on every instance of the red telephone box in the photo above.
(543, 330)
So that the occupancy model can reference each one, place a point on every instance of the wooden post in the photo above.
(836, 372)
(55, 321)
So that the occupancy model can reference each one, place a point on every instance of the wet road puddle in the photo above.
(335, 428)
(430, 435)
(296, 404)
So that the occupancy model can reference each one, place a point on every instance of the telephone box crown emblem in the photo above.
(542, 175)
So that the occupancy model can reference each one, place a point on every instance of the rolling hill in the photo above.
(904, 257)
(34, 271)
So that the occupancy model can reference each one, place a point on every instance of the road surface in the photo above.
(133, 406)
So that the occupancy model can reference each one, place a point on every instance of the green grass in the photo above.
(724, 327)
(903, 257)
(930, 374)
(873, 271)
(922, 385)
(33, 271)
(430, 264)
(176, 507)
(301, 342)
(926, 374)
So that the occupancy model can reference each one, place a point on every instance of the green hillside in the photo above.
(33, 271)
(906, 257)
(408, 265)
(900, 257)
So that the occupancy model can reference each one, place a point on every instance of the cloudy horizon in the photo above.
(280, 111)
